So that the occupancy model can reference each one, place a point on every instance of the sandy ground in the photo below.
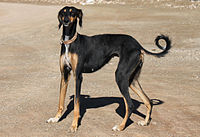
(29, 73)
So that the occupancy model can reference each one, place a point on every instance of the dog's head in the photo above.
(68, 15)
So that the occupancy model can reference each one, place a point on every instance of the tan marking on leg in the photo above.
(123, 124)
(63, 90)
(147, 103)
(74, 61)
(142, 56)
(61, 62)
(74, 125)
(63, 87)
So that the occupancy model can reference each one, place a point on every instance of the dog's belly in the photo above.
(95, 63)
(90, 68)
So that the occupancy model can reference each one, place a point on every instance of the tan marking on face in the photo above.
(63, 18)
(72, 19)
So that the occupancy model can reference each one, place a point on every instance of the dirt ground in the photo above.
(29, 72)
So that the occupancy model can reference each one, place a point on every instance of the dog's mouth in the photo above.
(66, 23)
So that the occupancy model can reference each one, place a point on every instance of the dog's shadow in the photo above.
(86, 103)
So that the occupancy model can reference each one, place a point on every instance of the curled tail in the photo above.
(165, 50)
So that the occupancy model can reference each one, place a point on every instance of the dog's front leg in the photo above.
(78, 81)
(65, 77)
(77, 72)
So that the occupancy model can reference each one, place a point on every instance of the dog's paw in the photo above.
(117, 128)
(53, 120)
(142, 123)
(73, 129)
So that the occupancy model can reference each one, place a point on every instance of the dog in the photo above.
(87, 54)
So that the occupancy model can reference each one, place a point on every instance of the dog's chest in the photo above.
(67, 59)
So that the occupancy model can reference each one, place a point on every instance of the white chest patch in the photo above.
(67, 59)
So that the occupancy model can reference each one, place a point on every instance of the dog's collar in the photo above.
(69, 41)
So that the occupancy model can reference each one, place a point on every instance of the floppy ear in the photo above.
(60, 23)
(80, 16)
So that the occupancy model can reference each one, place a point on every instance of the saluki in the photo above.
(86, 54)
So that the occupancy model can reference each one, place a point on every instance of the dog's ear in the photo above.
(80, 16)
(59, 20)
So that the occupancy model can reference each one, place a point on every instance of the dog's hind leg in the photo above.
(147, 103)
(122, 83)
(140, 92)
(126, 64)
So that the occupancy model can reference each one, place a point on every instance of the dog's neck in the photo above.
(69, 32)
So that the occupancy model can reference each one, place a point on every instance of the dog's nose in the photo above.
(65, 20)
